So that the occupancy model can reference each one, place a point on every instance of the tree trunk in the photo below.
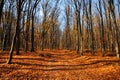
(91, 27)
(4, 42)
(117, 42)
(42, 42)
(32, 35)
(12, 49)
(26, 38)
(18, 35)
(1, 8)
(102, 30)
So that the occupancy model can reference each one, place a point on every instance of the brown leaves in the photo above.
(59, 64)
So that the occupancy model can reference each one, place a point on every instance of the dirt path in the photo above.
(59, 65)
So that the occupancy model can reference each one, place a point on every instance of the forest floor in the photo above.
(59, 65)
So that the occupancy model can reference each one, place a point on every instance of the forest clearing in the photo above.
(59, 65)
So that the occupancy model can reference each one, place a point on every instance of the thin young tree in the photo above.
(91, 27)
(36, 2)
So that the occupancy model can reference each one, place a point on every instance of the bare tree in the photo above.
(46, 11)
(7, 16)
(86, 9)
(118, 1)
(67, 29)
(117, 30)
(27, 27)
(54, 25)
(16, 37)
(1, 7)
(36, 2)
(78, 7)
(102, 27)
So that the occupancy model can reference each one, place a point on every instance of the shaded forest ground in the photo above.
(59, 65)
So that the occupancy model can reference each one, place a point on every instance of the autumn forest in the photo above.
(60, 39)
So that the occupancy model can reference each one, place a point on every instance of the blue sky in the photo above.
(62, 6)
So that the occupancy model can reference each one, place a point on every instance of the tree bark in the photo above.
(117, 31)
(91, 27)
(12, 49)
(1, 8)
(32, 35)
